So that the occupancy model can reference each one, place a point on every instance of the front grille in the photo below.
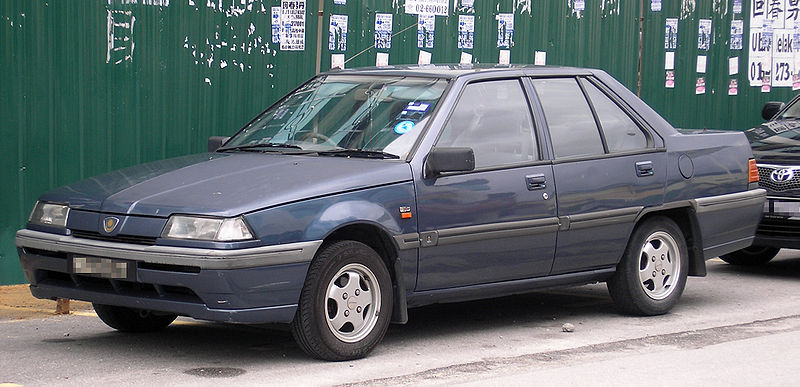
(134, 239)
(765, 178)
(125, 288)
(779, 228)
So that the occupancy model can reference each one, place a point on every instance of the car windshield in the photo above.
(793, 112)
(360, 114)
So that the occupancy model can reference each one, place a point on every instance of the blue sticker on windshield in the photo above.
(403, 127)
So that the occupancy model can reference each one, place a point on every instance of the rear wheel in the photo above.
(345, 304)
(751, 256)
(652, 273)
(133, 320)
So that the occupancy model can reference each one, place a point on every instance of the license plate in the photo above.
(785, 208)
(101, 267)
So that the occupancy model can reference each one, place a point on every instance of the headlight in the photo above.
(49, 214)
(209, 229)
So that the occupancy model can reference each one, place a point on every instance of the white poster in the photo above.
(782, 58)
(466, 58)
(276, 24)
(737, 31)
(655, 5)
(466, 31)
(737, 7)
(701, 64)
(426, 31)
(704, 35)
(382, 59)
(733, 65)
(340, 2)
(428, 7)
(505, 30)
(383, 30)
(337, 33)
(579, 5)
(540, 58)
(337, 61)
(424, 58)
(669, 60)
(505, 57)
(671, 34)
(759, 61)
(293, 18)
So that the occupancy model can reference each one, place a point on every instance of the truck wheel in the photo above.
(751, 256)
(652, 273)
(133, 320)
(345, 304)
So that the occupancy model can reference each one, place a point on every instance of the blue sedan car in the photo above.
(363, 193)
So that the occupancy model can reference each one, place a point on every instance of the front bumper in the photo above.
(254, 285)
(780, 226)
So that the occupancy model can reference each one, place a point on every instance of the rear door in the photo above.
(606, 169)
(497, 222)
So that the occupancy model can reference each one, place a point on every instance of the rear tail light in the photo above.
(753, 169)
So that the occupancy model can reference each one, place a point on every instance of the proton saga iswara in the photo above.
(366, 192)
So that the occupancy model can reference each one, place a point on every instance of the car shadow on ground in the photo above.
(784, 266)
(205, 344)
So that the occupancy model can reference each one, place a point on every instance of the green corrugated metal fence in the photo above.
(92, 86)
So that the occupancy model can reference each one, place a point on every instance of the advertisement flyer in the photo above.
(425, 31)
(383, 30)
(505, 30)
(466, 31)
(704, 35)
(671, 34)
(337, 33)
(293, 18)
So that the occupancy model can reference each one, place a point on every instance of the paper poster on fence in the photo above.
(671, 34)
(293, 19)
(505, 30)
(782, 58)
(276, 24)
(428, 7)
(737, 7)
(383, 31)
(466, 31)
(737, 31)
(655, 5)
(704, 35)
(426, 31)
(337, 33)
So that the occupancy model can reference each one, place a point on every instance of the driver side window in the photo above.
(492, 118)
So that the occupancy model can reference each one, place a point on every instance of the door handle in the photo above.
(644, 168)
(537, 181)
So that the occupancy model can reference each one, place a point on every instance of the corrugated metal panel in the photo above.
(176, 71)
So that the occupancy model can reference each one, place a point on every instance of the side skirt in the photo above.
(507, 288)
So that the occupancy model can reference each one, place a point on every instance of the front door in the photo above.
(498, 222)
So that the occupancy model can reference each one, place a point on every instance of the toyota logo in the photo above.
(782, 175)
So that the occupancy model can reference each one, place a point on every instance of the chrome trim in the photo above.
(299, 252)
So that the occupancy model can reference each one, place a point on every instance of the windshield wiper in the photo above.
(358, 153)
(257, 146)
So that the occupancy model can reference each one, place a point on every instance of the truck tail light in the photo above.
(753, 175)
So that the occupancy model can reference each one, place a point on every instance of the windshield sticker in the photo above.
(414, 111)
(404, 127)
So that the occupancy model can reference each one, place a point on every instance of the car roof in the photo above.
(451, 71)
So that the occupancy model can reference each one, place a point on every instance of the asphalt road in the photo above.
(737, 326)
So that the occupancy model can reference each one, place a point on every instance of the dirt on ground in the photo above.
(17, 303)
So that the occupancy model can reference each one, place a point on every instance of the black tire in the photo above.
(751, 256)
(331, 300)
(133, 320)
(652, 273)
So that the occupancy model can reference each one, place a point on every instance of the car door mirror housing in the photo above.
(449, 159)
(215, 142)
(770, 109)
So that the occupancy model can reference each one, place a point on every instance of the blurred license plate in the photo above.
(101, 267)
(786, 208)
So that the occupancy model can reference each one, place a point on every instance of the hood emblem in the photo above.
(782, 175)
(110, 223)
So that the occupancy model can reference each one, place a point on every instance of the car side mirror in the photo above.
(771, 108)
(449, 160)
(215, 142)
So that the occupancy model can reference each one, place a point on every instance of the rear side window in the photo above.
(493, 118)
(573, 130)
(620, 132)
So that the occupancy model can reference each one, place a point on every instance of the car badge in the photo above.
(782, 175)
(110, 223)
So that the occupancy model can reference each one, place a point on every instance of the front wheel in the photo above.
(652, 273)
(751, 256)
(345, 305)
(133, 320)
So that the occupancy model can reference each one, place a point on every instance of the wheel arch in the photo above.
(379, 240)
(684, 216)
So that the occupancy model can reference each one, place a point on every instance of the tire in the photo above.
(751, 256)
(346, 303)
(133, 320)
(652, 273)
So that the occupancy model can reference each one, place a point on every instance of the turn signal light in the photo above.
(753, 176)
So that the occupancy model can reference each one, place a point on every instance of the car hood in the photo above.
(776, 141)
(225, 184)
